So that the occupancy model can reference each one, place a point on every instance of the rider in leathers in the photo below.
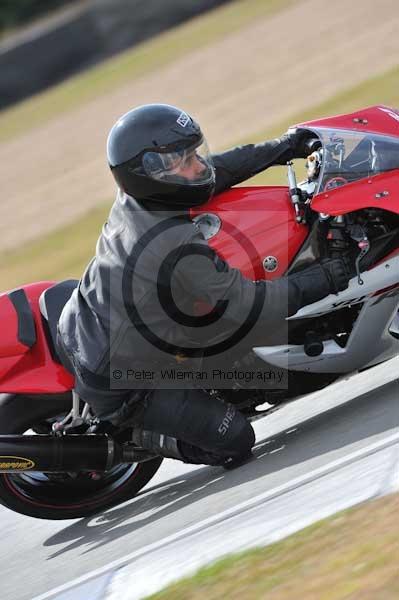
(111, 326)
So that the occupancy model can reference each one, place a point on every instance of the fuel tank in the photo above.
(253, 229)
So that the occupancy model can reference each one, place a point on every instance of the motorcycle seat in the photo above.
(51, 303)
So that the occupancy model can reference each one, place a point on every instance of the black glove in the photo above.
(338, 273)
(303, 142)
(317, 282)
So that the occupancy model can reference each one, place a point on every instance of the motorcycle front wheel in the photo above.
(62, 495)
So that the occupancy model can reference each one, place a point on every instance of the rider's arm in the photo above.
(241, 163)
(203, 274)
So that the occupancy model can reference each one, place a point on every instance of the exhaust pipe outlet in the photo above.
(53, 454)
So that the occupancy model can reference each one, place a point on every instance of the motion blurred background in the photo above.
(246, 69)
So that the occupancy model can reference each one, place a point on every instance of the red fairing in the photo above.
(257, 222)
(28, 370)
(379, 191)
(377, 119)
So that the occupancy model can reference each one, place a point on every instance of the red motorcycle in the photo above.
(347, 205)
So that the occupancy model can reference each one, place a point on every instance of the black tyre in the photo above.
(62, 495)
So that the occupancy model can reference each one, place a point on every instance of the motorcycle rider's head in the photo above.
(157, 153)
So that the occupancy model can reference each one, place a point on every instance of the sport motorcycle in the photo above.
(347, 206)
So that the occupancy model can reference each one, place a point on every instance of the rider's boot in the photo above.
(170, 447)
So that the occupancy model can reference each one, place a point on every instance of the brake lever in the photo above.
(358, 234)
(364, 246)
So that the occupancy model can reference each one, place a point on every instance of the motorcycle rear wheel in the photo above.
(62, 495)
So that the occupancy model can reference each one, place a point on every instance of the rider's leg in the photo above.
(186, 424)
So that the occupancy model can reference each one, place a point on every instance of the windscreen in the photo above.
(352, 155)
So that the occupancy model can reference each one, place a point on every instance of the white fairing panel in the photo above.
(372, 339)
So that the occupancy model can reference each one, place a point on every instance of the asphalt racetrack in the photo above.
(322, 453)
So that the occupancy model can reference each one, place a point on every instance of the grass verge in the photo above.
(61, 255)
(66, 252)
(353, 556)
(131, 64)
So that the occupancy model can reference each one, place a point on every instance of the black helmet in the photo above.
(157, 152)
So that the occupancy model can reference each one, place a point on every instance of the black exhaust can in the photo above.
(52, 454)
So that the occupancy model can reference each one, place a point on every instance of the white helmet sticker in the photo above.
(183, 119)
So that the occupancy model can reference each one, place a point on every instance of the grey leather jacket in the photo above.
(117, 317)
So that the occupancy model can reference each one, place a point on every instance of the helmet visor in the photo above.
(191, 166)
